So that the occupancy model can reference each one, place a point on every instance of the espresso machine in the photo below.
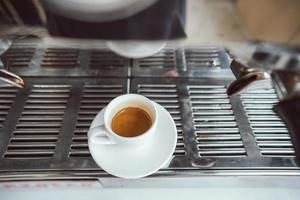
(236, 111)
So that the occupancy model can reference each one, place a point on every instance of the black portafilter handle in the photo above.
(289, 111)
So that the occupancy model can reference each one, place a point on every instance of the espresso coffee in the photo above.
(131, 122)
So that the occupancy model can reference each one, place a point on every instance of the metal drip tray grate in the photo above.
(167, 96)
(7, 96)
(43, 127)
(163, 63)
(94, 98)
(18, 57)
(203, 57)
(163, 59)
(216, 131)
(106, 59)
(38, 128)
(270, 132)
(62, 58)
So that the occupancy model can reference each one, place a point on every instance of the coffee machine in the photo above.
(235, 109)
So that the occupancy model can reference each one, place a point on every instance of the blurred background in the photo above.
(208, 21)
(243, 20)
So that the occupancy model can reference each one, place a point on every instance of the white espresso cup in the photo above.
(104, 135)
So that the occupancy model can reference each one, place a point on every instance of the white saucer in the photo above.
(136, 162)
(136, 49)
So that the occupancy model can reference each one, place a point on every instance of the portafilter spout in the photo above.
(5, 75)
(246, 77)
(11, 78)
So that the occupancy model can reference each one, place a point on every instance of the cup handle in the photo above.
(98, 135)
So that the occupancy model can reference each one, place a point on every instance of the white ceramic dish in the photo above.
(136, 49)
(136, 162)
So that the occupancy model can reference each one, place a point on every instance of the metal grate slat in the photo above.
(202, 57)
(217, 133)
(270, 132)
(167, 96)
(60, 58)
(163, 59)
(18, 57)
(30, 138)
(7, 96)
(105, 59)
(94, 98)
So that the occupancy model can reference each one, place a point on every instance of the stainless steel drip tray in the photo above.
(43, 127)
